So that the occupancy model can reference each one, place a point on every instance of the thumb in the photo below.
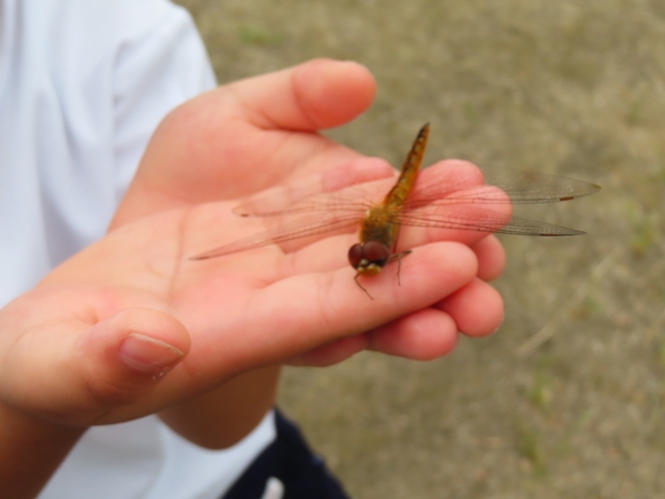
(320, 93)
(99, 374)
(123, 356)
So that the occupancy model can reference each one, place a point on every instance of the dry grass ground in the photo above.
(568, 399)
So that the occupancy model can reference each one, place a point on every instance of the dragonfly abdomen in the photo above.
(409, 171)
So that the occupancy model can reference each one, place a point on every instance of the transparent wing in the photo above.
(451, 197)
(315, 195)
(446, 184)
(455, 199)
(529, 187)
(517, 187)
(282, 232)
(474, 217)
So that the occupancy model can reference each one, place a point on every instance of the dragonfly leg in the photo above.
(361, 286)
(393, 257)
(398, 257)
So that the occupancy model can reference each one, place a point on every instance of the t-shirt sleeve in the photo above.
(160, 63)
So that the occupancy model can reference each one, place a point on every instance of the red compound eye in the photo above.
(376, 253)
(362, 255)
(355, 255)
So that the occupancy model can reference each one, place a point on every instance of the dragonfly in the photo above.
(431, 198)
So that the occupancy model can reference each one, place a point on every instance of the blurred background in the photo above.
(567, 399)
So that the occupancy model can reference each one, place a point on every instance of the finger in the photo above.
(210, 146)
(331, 353)
(117, 361)
(477, 308)
(314, 309)
(123, 356)
(317, 94)
(331, 253)
(424, 335)
(491, 258)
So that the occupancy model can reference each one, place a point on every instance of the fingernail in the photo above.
(500, 324)
(148, 355)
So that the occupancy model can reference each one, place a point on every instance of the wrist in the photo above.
(31, 449)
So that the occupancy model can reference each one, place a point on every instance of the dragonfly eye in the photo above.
(371, 253)
(355, 255)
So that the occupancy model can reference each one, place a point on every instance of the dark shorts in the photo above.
(303, 475)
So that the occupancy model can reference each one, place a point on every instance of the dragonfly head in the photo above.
(369, 258)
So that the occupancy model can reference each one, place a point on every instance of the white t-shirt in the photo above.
(83, 83)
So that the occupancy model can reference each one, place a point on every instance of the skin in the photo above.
(130, 327)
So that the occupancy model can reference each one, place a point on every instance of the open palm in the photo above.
(230, 315)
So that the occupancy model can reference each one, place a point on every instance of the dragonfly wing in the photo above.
(478, 218)
(338, 189)
(282, 232)
(531, 187)
(459, 183)
(525, 227)
(467, 204)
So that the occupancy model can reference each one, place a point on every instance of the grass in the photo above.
(568, 87)
(254, 35)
